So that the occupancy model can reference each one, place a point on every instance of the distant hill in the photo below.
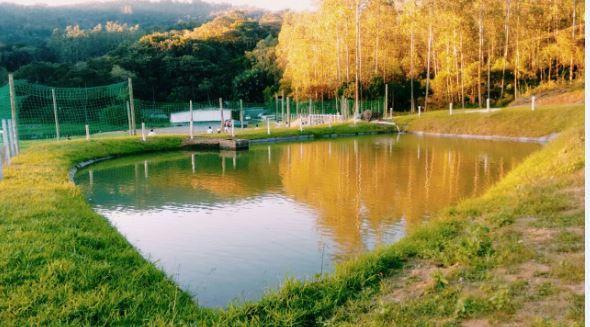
(31, 25)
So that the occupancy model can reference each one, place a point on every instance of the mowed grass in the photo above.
(511, 121)
(512, 256)
(61, 263)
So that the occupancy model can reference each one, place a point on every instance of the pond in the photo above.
(229, 226)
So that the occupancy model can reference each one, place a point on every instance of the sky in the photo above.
(266, 4)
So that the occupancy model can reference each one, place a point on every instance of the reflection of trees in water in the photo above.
(185, 178)
(366, 186)
(359, 188)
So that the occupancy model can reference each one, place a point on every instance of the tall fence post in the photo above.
(132, 106)
(488, 104)
(451, 108)
(10, 138)
(309, 115)
(13, 137)
(6, 139)
(233, 133)
(419, 111)
(385, 100)
(13, 113)
(300, 123)
(190, 121)
(87, 132)
(288, 112)
(143, 131)
(533, 103)
(55, 114)
(221, 113)
(283, 106)
(129, 131)
(276, 107)
(241, 114)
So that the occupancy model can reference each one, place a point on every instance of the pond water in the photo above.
(230, 226)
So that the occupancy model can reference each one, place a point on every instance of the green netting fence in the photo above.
(44, 112)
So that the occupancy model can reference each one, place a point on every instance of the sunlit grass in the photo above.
(61, 263)
(514, 121)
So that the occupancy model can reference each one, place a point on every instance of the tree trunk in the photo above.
(573, 42)
(412, 106)
(461, 72)
(480, 58)
(506, 37)
(428, 66)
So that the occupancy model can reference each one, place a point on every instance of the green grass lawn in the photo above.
(513, 121)
(61, 263)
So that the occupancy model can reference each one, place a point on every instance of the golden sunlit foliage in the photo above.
(451, 51)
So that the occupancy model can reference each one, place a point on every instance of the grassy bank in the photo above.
(62, 263)
(513, 256)
(517, 122)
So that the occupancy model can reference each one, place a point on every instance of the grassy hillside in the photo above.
(517, 121)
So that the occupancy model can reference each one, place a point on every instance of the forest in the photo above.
(429, 52)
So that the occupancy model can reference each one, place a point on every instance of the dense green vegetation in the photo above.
(429, 53)
(174, 51)
(61, 262)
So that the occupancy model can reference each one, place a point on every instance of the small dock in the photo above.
(216, 144)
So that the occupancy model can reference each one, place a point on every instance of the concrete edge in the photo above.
(85, 164)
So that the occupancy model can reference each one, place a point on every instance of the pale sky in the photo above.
(266, 4)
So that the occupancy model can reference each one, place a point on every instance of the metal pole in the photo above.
(132, 107)
(385, 98)
(233, 134)
(267, 126)
(283, 106)
(451, 108)
(129, 118)
(419, 111)
(190, 121)
(241, 114)
(309, 116)
(6, 139)
(300, 123)
(533, 103)
(488, 104)
(221, 112)
(87, 132)
(143, 131)
(13, 137)
(55, 114)
(13, 113)
(276, 107)
(10, 138)
(288, 112)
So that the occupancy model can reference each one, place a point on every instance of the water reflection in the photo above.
(230, 224)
